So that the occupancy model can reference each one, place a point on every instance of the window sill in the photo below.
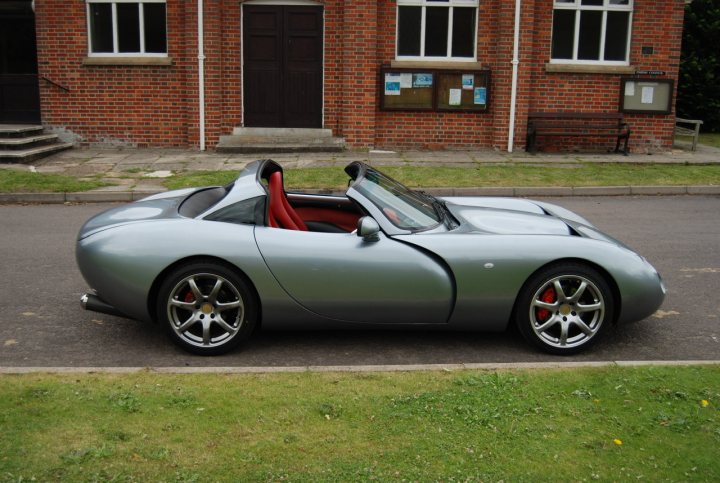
(130, 60)
(589, 69)
(434, 64)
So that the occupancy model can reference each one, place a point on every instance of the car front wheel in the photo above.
(564, 309)
(207, 308)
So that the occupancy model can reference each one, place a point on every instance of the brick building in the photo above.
(384, 74)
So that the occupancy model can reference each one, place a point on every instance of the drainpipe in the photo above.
(515, 63)
(201, 73)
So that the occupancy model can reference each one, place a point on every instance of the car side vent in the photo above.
(573, 231)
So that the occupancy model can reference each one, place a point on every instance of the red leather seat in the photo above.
(281, 214)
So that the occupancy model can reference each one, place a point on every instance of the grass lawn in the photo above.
(710, 139)
(605, 424)
(12, 181)
(583, 174)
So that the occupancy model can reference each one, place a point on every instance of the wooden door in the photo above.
(282, 74)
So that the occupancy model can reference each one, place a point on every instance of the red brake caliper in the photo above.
(189, 297)
(548, 296)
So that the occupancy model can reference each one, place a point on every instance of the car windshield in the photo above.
(404, 208)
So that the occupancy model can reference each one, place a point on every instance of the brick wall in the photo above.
(657, 24)
(112, 105)
(158, 106)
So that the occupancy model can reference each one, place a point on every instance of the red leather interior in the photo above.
(343, 219)
(281, 214)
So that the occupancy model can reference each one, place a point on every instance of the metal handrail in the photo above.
(53, 83)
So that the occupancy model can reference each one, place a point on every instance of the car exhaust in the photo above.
(92, 302)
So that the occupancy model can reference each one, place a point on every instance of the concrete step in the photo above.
(282, 132)
(22, 142)
(18, 130)
(30, 154)
(280, 140)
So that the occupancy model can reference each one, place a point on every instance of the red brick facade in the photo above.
(157, 105)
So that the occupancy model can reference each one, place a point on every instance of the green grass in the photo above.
(581, 174)
(12, 181)
(710, 139)
(541, 425)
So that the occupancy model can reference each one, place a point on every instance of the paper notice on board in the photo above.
(392, 84)
(455, 97)
(480, 95)
(630, 88)
(468, 81)
(422, 80)
(648, 92)
(406, 81)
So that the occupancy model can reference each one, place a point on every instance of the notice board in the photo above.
(434, 90)
(646, 95)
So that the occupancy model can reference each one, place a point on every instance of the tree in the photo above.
(699, 84)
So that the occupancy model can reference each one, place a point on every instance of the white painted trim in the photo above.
(450, 4)
(515, 64)
(307, 3)
(578, 8)
(201, 72)
(114, 18)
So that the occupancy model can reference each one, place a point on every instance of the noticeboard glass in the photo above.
(434, 89)
(646, 95)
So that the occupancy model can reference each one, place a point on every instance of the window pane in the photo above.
(155, 31)
(463, 36)
(616, 35)
(563, 34)
(436, 31)
(589, 41)
(591, 2)
(101, 38)
(409, 19)
(128, 22)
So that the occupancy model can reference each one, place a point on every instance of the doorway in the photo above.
(283, 70)
(19, 92)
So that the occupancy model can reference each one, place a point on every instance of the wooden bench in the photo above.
(693, 131)
(587, 124)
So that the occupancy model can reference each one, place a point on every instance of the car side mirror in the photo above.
(368, 229)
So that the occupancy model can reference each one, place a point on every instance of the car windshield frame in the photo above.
(402, 207)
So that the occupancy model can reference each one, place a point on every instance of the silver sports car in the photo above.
(213, 264)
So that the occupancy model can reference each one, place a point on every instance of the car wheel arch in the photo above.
(615, 290)
(157, 283)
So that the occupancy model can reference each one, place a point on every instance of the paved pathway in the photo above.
(137, 172)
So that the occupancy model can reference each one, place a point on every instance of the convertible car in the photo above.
(213, 264)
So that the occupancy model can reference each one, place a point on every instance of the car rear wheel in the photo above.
(207, 308)
(564, 309)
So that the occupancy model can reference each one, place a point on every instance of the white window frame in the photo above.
(434, 3)
(604, 8)
(141, 20)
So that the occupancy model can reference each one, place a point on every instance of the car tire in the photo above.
(207, 308)
(565, 308)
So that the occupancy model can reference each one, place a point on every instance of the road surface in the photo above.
(42, 324)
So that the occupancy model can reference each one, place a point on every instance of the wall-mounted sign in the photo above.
(649, 72)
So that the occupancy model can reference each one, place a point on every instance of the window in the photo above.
(125, 28)
(436, 29)
(591, 31)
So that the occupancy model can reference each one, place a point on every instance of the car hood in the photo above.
(515, 217)
(163, 205)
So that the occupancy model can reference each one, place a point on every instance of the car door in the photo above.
(344, 277)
